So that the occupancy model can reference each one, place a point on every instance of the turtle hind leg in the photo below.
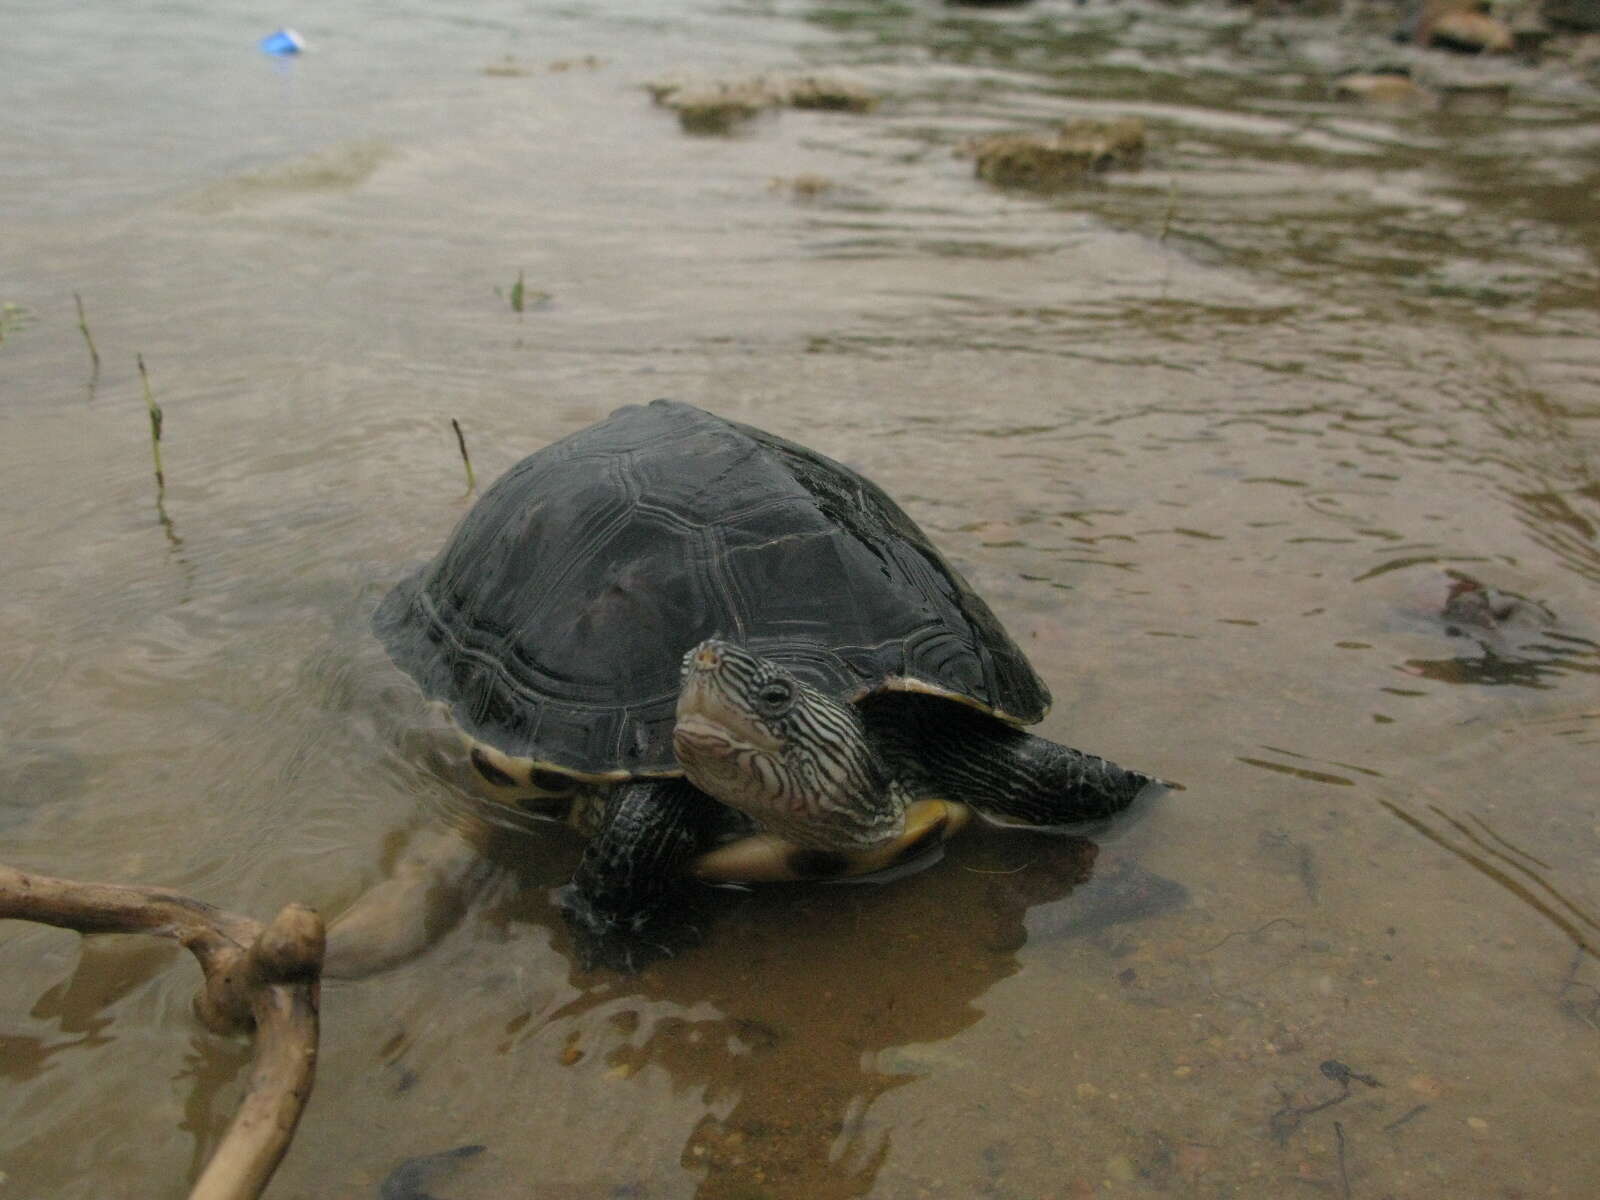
(631, 900)
(436, 880)
(949, 750)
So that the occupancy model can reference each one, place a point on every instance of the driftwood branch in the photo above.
(257, 977)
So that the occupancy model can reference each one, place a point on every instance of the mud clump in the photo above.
(720, 106)
(1051, 162)
(832, 93)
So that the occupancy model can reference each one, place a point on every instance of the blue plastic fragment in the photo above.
(283, 42)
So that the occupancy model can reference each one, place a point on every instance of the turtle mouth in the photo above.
(720, 762)
(695, 739)
(708, 725)
(714, 732)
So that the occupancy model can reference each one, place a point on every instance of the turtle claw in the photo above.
(625, 940)
(630, 902)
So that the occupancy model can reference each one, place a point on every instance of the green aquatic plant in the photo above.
(83, 328)
(522, 297)
(155, 427)
(461, 441)
(1172, 209)
(12, 318)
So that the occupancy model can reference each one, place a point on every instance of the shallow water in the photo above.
(1211, 436)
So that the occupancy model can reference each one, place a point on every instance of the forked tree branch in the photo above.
(256, 977)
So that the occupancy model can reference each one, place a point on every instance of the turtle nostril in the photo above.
(706, 657)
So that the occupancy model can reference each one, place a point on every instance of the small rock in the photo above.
(1477, 1125)
(1465, 31)
(832, 92)
(803, 187)
(717, 108)
(1468, 602)
(1050, 162)
(1120, 1169)
(1118, 143)
(1382, 88)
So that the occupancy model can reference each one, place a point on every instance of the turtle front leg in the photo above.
(630, 900)
(959, 754)
(1040, 783)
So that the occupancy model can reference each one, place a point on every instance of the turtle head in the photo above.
(792, 758)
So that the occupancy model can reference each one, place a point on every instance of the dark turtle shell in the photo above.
(554, 620)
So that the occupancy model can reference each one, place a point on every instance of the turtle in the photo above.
(725, 657)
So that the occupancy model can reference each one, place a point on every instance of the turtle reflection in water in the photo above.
(724, 657)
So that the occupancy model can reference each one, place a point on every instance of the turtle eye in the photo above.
(774, 697)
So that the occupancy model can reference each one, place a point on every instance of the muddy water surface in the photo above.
(1217, 438)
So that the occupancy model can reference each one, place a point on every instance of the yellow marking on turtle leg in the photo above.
(927, 823)
(766, 858)
(759, 858)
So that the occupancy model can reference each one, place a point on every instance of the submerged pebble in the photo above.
(38, 773)
(410, 1180)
